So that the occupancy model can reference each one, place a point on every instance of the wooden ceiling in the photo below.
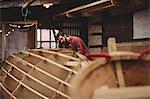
(19, 3)
(11, 9)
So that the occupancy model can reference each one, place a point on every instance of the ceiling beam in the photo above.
(27, 3)
(87, 7)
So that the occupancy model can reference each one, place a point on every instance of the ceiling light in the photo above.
(19, 26)
(7, 35)
(47, 5)
(1, 31)
(12, 30)
(9, 32)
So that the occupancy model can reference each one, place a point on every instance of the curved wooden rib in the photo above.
(12, 96)
(67, 78)
(98, 69)
(57, 53)
(6, 74)
(21, 81)
(84, 60)
(32, 90)
(42, 71)
(50, 61)
(40, 82)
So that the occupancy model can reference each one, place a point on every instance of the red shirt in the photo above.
(77, 44)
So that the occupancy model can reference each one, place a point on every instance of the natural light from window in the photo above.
(46, 39)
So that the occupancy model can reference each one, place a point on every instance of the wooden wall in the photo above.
(95, 34)
(95, 37)
(0, 46)
(136, 47)
(72, 26)
(120, 26)
(17, 40)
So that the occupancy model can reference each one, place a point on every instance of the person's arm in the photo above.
(81, 46)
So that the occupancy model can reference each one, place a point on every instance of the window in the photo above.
(141, 24)
(46, 39)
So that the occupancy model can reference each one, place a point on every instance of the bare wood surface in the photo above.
(12, 96)
(6, 74)
(40, 82)
(50, 61)
(84, 61)
(142, 92)
(42, 71)
(22, 80)
(90, 77)
(124, 55)
(72, 63)
(112, 47)
(57, 53)
(32, 90)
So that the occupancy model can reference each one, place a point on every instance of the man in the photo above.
(73, 42)
(78, 45)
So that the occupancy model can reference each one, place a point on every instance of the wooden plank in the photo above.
(21, 81)
(72, 63)
(40, 82)
(111, 45)
(6, 74)
(89, 78)
(141, 92)
(85, 6)
(42, 71)
(57, 53)
(111, 48)
(66, 80)
(50, 61)
(84, 60)
(32, 90)
(12, 96)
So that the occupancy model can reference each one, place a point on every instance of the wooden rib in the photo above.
(123, 93)
(12, 96)
(84, 59)
(42, 71)
(67, 78)
(57, 53)
(40, 82)
(32, 90)
(72, 63)
(22, 80)
(6, 74)
(111, 48)
(50, 61)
